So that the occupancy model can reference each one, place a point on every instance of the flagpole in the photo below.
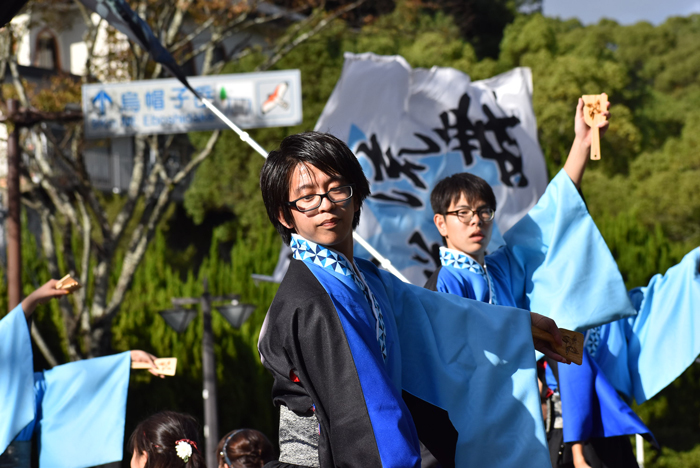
(243, 135)
(383, 261)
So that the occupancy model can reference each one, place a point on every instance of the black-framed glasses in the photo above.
(311, 202)
(465, 215)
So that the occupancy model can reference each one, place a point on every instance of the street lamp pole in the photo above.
(211, 416)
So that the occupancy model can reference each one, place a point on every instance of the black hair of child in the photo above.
(158, 434)
(245, 448)
(321, 150)
(449, 189)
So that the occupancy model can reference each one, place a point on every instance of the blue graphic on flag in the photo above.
(410, 128)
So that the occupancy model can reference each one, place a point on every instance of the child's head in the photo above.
(167, 439)
(464, 206)
(244, 448)
(309, 164)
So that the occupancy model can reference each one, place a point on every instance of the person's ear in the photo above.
(283, 222)
(356, 204)
(440, 224)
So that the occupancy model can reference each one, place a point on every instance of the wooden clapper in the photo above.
(594, 106)
(573, 343)
(164, 366)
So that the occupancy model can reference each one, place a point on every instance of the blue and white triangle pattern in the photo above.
(462, 261)
(311, 252)
(593, 338)
(308, 251)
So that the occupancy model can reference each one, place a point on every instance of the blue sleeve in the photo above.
(641, 355)
(591, 407)
(665, 335)
(83, 412)
(558, 264)
(16, 376)
(477, 362)
(664, 338)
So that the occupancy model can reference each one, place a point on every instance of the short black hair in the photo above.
(321, 150)
(449, 189)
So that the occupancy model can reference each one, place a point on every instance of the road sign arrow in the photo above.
(100, 100)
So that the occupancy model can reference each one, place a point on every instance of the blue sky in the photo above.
(622, 11)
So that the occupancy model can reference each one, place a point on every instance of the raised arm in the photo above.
(42, 295)
(576, 162)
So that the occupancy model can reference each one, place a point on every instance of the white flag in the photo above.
(412, 128)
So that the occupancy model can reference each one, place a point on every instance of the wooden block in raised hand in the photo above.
(594, 106)
(572, 348)
(67, 283)
(164, 366)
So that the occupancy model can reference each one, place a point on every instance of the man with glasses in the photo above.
(362, 362)
(556, 261)
(553, 257)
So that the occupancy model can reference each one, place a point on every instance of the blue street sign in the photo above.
(250, 100)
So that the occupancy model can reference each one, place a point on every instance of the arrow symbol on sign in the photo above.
(100, 100)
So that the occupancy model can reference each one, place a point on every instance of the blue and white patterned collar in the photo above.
(308, 251)
(461, 261)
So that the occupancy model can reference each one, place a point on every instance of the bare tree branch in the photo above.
(49, 249)
(145, 230)
(46, 173)
(41, 344)
(283, 49)
(194, 162)
(5, 48)
(90, 37)
(80, 297)
(174, 29)
(225, 34)
(132, 195)
(19, 87)
(176, 23)
(197, 31)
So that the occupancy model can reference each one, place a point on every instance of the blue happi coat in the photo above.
(348, 342)
(77, 409)
(556, 263)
